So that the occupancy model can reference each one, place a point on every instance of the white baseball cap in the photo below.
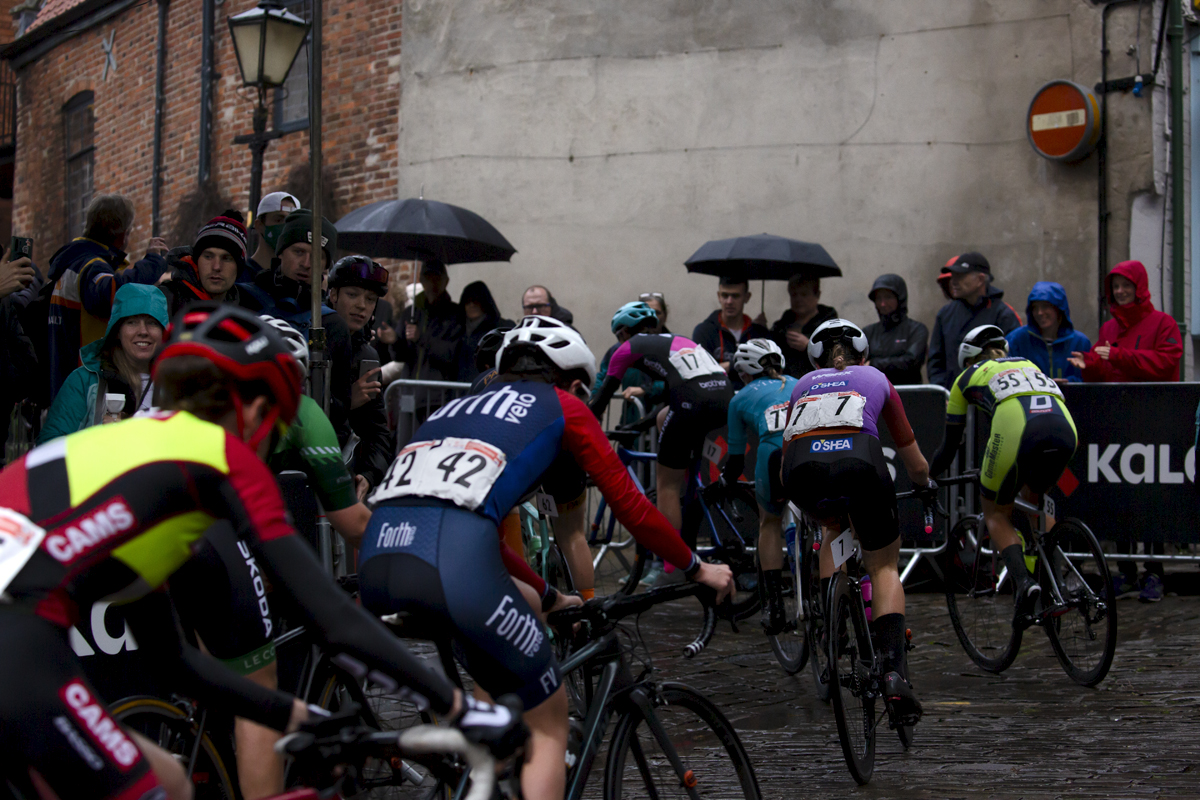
(274, 202)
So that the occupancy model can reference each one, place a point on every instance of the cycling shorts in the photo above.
(845, 473)
(55, 723)
(768, 486)
(690, 419)
(432, 559)
(221, 595)
(1030, 444)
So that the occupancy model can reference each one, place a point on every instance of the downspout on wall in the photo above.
(206, 91)
(159, 103)
(1175, 44)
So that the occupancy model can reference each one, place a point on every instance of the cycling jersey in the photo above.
(1032, 435)
(762, 407)
(849, 400)
(311, 446)
(686, 367)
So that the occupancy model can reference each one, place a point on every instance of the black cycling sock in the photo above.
(1014, 558)
(889, 631)
(825, 593)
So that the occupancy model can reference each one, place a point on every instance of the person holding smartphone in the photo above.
(355, 285)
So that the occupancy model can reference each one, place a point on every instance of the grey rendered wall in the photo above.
(609, 140)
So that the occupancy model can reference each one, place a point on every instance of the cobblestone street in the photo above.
(1028, 733)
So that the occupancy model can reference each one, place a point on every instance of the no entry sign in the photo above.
(1062, 123)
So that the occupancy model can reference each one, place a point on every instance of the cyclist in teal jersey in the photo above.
(762, 406)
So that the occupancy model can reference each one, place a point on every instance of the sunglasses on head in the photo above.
(646, 296)
(367, 270)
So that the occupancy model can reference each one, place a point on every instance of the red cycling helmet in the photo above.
(243, 347)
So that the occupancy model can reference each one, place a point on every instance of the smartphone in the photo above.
(20, 247)
(365, 366)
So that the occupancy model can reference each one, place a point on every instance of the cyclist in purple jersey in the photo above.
(834, 467)
(698, 388)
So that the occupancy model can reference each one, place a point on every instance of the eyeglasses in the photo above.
(531, 308)
(648, 296)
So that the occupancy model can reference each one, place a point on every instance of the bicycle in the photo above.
(668, 740)
(1077, 609)
(541, 549)
(728, 518)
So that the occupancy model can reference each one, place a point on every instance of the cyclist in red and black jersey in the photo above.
(110, 512)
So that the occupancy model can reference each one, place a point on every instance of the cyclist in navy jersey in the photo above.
(432, 545)
(833, 465)
(698, 388)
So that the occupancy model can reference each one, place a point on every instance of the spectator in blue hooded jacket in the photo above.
(1049, 338)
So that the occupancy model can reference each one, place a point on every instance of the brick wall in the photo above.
(361, 93)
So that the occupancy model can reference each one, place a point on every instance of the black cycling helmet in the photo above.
(830, 333)
(245, 348)
(979, 339)
(359, 271)
(489, 344)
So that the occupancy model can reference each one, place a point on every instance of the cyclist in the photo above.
(1032, 438)
(762, 406)
(433, 543)
(112, 511)
(699, 393)
(833, 465)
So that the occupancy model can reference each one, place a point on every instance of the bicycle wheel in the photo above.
(815, 619)
(168, 726)
(791, 646)
(1083, 630)
(852, 688)
(714, 762)
(736, 518)
(979, 597)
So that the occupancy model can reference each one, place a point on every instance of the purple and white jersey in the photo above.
(855, 397)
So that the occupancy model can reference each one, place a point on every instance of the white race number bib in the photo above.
(833, 410)
(776, 417)
(1021, 380)
(459, 470)
(694, 362)
(843, 547)
(19, 540)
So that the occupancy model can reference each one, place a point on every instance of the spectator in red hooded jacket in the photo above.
(1139, 343)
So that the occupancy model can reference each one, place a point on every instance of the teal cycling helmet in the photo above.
(632, 315)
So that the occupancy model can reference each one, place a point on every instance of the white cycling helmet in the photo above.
(559, 342)
(979, 339)
(827, 333)
(753, 357)
(293, 338)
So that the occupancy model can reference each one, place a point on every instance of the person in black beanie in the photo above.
(207, 270)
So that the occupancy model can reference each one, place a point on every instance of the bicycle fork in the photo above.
(640, 697)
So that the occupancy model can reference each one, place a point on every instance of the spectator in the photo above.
(20, 283)
(656, 301)
(538, 300)
(1049, 338)
(943, 279)
(480, 315)
(897, 342)
(432, 329)
(86, 274)
(269, 220)
(209, 270)
(976, 302)
(728, 326)
(1139, 343)
(355, 285)
(806, 314)
(118, 363)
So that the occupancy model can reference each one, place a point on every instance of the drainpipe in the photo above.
(1175, 43)
(1195, 103)
(159, 102)
(1102, 213)
(209, 11)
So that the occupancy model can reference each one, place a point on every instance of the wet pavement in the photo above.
(1028, 733)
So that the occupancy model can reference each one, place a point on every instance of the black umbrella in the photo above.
(421, 230)
(762, 257)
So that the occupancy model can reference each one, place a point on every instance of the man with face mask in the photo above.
(897, 343)
(268, 224)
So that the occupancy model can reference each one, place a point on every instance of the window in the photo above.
(79, 128)
(291, 101)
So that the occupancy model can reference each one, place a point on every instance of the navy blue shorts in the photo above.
(431, 559)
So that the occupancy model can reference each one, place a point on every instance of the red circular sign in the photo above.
(1062, 121)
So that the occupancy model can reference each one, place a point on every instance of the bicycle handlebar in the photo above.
(604, 612)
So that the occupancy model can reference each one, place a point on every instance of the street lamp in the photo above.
(267, 40)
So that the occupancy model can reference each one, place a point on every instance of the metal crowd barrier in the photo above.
(408, 403)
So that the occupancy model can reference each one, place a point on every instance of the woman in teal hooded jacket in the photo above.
(118, 363)
(1049, 337)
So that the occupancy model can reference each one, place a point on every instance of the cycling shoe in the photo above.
(900, 696)
(1024, 605)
